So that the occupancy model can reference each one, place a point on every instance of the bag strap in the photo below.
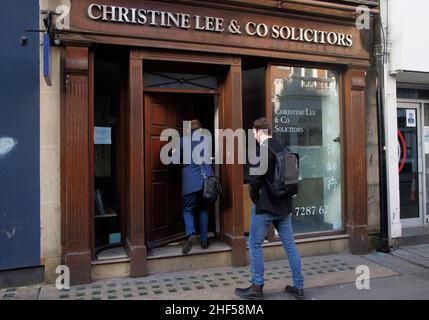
(203, 172)
(275, 152)
(271, 149)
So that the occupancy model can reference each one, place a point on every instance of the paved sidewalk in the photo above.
(416, 254)
(217, 283)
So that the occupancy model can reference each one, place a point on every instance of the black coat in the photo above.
(259, 189)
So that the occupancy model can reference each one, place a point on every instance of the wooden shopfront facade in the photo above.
(133, 68)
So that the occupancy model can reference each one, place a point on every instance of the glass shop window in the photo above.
(306, 117)
(109, 156)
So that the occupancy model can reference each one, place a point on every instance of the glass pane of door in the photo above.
(408, 163)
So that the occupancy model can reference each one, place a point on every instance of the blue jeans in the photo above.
(259, 224)
(195, 202)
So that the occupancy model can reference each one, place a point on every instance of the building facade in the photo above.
(125, 71)
(406, 85)
(19, 145)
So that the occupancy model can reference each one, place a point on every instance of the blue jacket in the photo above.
(192, 176)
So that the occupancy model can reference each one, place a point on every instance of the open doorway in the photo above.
(163, 196)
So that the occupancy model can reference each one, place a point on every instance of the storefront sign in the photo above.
(166, 19)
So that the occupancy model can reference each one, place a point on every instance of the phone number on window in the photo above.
(311, 211)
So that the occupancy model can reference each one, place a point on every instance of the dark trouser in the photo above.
(191, 203)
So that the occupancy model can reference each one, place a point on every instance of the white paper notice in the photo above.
(411, 118)
(102, 135)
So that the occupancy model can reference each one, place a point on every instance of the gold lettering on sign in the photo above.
(165, 19)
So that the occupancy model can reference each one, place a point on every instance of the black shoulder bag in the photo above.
(211, 188)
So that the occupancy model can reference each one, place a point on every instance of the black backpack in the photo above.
(286, 174)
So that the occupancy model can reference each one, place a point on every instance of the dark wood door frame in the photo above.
(232, 225)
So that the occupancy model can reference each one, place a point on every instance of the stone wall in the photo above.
(372, 154)
(50, 187)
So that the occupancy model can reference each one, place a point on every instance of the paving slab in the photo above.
(395, 263)
(21, 293)
(215, 283)
(421, 250)
(412, 255)
(399, 287)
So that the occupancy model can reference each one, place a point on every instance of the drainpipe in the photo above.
(379, 56)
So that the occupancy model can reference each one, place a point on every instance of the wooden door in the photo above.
(163, 196)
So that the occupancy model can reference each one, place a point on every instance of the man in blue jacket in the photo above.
(193, 173)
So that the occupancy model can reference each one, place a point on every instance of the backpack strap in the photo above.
(271, 148)
(275, 152)
(203, 172)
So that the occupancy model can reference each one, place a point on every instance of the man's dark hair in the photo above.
(195, 124)
(262, 124)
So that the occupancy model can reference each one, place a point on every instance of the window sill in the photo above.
(308, 239)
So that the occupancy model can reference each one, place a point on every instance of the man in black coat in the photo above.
(268, 209)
